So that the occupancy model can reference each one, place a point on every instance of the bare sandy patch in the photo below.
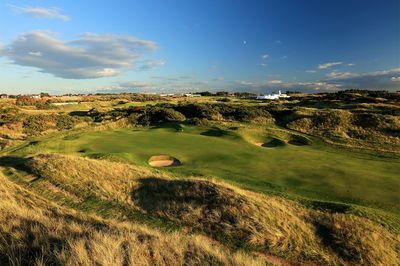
(163, 161)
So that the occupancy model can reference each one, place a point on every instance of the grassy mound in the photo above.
(358, 241)
(85, 177)
(235, 217)
(228, 213)
(37, 232)
(265, 223)
(356, 129)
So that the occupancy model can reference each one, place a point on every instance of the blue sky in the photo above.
(187, 45)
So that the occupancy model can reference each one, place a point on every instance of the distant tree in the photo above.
(205, 93)
(222, 93)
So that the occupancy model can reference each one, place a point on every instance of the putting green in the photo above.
(316, 171)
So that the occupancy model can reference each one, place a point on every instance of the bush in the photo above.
(65, 122)
(224, 100)
(159, 114)
(206, 111)
(202, 122)
(134, 118)
(153, 114)
(36, 124)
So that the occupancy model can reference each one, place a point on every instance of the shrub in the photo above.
(64, 122)
(224, 100)
(159, 114)
(36, 124)
(199, 122)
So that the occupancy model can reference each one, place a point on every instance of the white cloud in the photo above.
(337, 75)
(2, 48)
(245, 83)
(89, 56)
(173, 78)
(35, 53)
(275, 81)
(264, 56)
(107, 72)
(271, 85)
(150, 64)
(311, 71)
(40, 12)
(395, 79)
(219, 79)
(278, 42)
(136, 84)
(372, 80)
(328, 65)
(263, 64)
(351, 64)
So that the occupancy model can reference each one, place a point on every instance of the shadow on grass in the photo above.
(216, 132)
(299, 140)
(78, 113)
(156, 194)
(273, 143)
(16, 162)
(326, 206)
(179, 127)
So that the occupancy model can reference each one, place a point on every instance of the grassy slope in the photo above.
(35, 231)
(235, 217)
(317, 171)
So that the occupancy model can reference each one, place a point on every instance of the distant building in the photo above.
(3, 96)
(273, 96)
(35, 96)
(191, 95)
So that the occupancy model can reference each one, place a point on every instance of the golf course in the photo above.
(315, 170)
(229, 181)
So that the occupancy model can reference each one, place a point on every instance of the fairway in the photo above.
(316, 171)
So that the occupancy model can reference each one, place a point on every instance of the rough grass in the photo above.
(363, 129)
(235, 217)
(86, 177)
(231, 215)
(34, 231)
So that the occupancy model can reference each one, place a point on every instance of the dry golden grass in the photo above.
(84, 177)
(364, 130)
(233, 216)
(34, 231)
(358, 241)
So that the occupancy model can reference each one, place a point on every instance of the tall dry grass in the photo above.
(233, 216)
(34, 231)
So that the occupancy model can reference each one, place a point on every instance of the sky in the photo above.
(69, 46)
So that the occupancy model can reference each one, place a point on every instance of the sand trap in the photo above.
(271, 144)
(299, 141)
(163, 161)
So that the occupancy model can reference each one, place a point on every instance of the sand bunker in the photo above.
(299, 141)
(271, 144)
(163, 161)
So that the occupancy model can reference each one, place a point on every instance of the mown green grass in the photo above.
(316, 171)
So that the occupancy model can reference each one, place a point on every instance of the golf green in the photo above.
(316, 171)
